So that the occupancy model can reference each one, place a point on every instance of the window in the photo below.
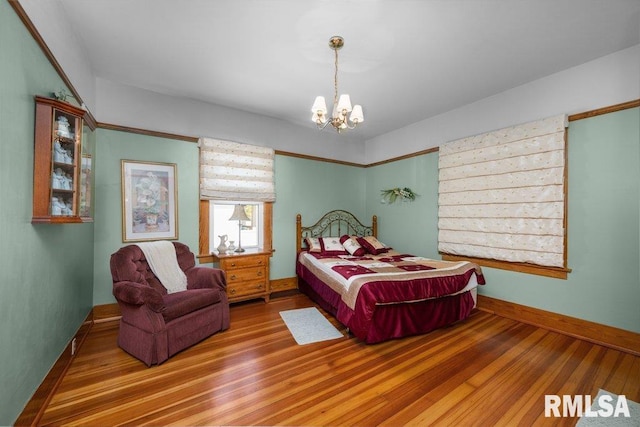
(220, 224)
(502, 196)
(207, 242)
(235, 174)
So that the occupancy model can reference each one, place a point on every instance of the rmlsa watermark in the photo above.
(581, 406)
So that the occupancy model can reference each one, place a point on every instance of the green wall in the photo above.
(53, 274)
(46, 280)
(406, 226)
(603, 224)
(111, 148)
(603, 235)
(603, 184)
(309, 188)
(302, 186)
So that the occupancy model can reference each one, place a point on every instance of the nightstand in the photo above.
(247, 274)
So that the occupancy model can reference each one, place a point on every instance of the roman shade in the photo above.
(234, 171)
(502, 194)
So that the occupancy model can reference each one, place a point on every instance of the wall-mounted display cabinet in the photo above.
(62, 170)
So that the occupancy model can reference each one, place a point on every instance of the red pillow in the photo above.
(372, 245)
(352, 246)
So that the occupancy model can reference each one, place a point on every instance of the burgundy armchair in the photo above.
(155, 325)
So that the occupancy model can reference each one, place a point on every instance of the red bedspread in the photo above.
(360, 284)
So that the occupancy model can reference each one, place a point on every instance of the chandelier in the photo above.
(343, 116)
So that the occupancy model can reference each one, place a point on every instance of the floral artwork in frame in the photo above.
(149, 201)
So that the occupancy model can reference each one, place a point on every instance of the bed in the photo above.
(379, 293)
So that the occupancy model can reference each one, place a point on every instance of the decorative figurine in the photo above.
(68, 208)
(63, 127)
(56, 209)
(68, 157)
(68, 182)
(222, 247)
(59, 153)
(58, 179)
(62, 95)
(62, 207)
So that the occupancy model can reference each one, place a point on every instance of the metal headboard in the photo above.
(334, 223)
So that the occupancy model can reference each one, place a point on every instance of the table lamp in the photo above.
(239, 215)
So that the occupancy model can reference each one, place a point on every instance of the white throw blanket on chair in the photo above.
(162, 259)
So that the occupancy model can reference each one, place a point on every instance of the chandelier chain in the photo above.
(335, 79)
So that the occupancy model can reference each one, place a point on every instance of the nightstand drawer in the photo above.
(244, 262)
(235, 290)
(245, 274)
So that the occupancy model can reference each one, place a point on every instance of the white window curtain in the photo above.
(501, 194)
(234, 171)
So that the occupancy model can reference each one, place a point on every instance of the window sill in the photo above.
(215, 257)
(520, 267)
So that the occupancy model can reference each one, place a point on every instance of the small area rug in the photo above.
(308, 325)
(620, 421)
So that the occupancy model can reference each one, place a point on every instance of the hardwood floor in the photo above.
(487, 370)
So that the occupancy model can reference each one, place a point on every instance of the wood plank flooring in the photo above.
(485, 371)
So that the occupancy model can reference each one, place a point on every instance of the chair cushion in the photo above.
(180, 303)
(130, 264)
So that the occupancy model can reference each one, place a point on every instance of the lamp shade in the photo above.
(319, 105)
(356, 115)
(344, 103)
(239, 214)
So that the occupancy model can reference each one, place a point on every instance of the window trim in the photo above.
(205, 256)
(520, 267)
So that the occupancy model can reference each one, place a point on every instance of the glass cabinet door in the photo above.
(66, 154)
(60, 189)
(87, 171)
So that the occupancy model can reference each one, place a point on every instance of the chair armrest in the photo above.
(137, 294)
(206, 277)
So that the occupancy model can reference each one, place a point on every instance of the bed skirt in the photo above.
(389, 321)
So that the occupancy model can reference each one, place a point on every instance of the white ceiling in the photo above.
(403, 60)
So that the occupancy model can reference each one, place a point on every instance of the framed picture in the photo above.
(149, 197)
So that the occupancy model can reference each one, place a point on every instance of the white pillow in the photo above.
(331, 244)
(352, 246)
(313, 244)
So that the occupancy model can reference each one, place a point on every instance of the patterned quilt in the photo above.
(391, 277)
